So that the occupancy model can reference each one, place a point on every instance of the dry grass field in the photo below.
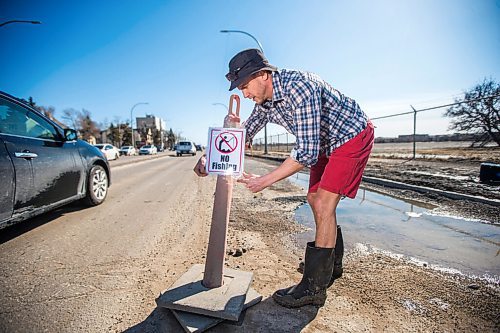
(450, 150)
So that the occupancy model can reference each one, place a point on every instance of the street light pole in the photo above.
(262, 50)
(245, 33)
(19, 21)
(224, 105)
(132, 122)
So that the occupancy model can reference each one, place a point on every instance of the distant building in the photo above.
(92, 140)
(418, 138)
(150, 129)
(150, 121)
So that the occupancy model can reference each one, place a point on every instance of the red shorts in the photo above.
(341, 172)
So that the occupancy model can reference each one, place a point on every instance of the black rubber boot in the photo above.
(312, 288)
(339, 255)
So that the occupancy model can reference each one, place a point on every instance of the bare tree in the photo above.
(47, 111)
(478, 115)
(87, 126)
(70, 117)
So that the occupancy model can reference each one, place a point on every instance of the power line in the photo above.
(440, 99)
(434, 107)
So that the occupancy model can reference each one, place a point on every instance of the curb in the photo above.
(423, 189)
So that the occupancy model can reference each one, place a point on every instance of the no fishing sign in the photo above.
(225, 151)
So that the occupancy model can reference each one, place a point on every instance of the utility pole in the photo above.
(414, 131)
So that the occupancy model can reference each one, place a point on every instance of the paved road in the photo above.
(90, 269)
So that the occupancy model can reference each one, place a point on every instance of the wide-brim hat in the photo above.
(246, 63)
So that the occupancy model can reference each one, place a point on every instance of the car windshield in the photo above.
(185, 143)
(99, 146)
(126, 148)
(146, 147)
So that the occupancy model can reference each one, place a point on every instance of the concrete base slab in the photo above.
(192, 322)
(188, 294)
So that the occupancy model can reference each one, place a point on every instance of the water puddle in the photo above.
(404, 228)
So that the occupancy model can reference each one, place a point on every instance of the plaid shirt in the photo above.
(320, 117)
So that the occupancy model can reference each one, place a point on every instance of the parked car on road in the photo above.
(109, 151)
(148, 150)
(185, 147)
(128, 151)
(43, 166)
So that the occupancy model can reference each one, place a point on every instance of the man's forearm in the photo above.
(286, 169)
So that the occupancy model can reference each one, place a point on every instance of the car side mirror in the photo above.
(70, 134)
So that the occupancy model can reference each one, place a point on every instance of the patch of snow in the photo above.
(440, 303)
(413, 214)
(455, 217)
(413, 306)
(366, 249)
(441, 175)
(410, 156)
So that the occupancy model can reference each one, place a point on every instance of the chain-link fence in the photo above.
(284, 142)
(278, 143)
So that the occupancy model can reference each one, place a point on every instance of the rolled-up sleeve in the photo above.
(307, 120)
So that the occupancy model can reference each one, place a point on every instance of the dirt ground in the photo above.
(376, 293)
(108, 279)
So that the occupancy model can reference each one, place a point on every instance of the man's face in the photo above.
(255, 88)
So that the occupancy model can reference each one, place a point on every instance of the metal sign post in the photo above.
(214, 264)
(222, 294)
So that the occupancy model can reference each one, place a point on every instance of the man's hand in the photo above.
(254, 183)
(257, 183)
(232, 119)
(199, 168)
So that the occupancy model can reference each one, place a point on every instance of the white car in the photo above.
(185, 147)
(110, 151)
(128, 151)
(148, 150)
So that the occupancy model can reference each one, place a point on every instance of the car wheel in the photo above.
(97, 186)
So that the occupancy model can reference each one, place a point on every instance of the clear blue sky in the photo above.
(105, 56)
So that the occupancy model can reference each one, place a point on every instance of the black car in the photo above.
(43, 166)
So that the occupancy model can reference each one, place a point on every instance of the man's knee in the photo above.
(310, 198)
(323, 203)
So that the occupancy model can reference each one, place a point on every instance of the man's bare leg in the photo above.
(324, 206)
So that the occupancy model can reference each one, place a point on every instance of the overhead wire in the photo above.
(434, 107)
